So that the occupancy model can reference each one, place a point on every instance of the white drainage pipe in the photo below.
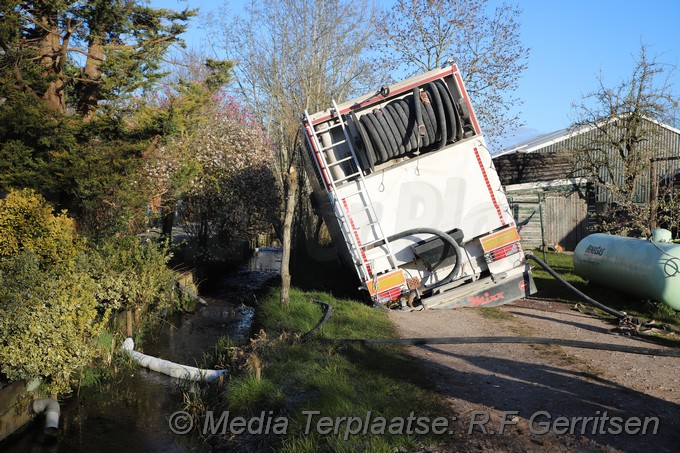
(51, 409)
(171, 368)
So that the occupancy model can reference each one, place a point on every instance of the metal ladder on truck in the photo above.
(341, 207)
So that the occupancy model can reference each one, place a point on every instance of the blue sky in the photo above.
(571, 43)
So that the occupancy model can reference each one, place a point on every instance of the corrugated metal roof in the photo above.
(551, 138)
(541, 141)
(522, 163)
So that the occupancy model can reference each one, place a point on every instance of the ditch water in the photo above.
(131, 414)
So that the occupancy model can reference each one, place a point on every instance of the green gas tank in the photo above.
(641, 267)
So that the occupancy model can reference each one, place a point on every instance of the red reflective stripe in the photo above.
(505, 251)
(489, 188)
(356, 236)
(392, 294)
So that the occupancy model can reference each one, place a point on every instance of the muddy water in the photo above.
(131, 414)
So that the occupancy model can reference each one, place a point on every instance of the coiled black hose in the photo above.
(446, 238)
(421, 121)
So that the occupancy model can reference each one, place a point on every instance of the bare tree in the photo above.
(295, 55)
(421, 35)
(623, 136)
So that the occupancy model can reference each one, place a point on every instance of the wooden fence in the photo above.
(550, 217)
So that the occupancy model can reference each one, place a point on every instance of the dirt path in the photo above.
(517, 382)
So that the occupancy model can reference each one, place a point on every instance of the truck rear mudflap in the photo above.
(486, 292)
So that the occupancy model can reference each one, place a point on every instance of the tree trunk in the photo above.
(168, 221)
(287, 223)
(653, 195)
(50, 49)
(89, 90)
(128, 323)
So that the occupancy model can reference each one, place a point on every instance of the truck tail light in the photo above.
(503, 252)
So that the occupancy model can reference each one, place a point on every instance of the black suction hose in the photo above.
(446, 238)
(590, 300)
(523, 340)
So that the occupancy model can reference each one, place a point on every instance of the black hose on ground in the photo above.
(521, 340)
(590, 300)
(327, 310)
(487, 340)
(626, 320)
(446, 238)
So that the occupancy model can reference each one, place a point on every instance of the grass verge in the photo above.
(334, 379)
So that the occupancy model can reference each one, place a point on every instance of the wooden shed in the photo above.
(550, 208)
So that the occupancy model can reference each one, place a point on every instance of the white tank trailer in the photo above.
(645, 268)
(407, 188)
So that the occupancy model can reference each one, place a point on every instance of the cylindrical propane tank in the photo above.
(640, 267)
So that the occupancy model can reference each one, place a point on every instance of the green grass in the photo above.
(494, 313)
(336, 380)
(563, 264)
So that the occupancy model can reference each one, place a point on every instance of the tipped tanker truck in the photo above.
(407, 188)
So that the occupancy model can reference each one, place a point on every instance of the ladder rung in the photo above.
(368, 244)
(356, 211)
(319, 132)
(351, 194)
(338, 162)
(333, 145)
(367, 225)
(347, 177)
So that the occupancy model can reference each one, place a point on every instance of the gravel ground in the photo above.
(517, 382)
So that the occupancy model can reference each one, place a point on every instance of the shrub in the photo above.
(56, 296)
(48, 318)
(27, 223)
(131, 274)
